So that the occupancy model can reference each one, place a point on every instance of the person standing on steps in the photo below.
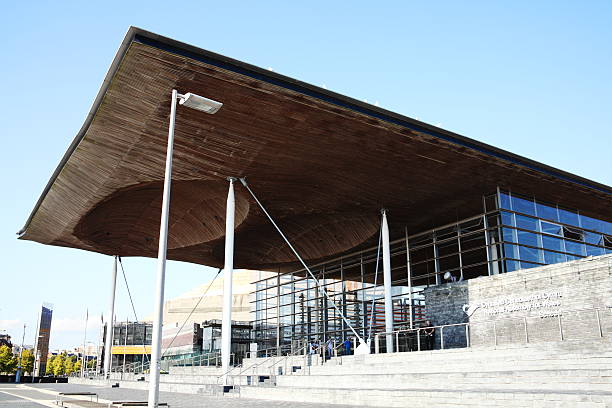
(429, 333)
(347, 347)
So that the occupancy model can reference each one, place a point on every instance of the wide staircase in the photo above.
(558, 374)
(555, 374)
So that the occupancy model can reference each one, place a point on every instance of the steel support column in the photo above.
(108, 343)
(226, 322)
(387, 277)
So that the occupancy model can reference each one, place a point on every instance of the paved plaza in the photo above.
(43, 395)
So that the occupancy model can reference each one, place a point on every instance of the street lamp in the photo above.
(209, 106)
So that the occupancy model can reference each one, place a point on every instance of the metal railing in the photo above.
(419, 338)
(254, 372)
(496, 331)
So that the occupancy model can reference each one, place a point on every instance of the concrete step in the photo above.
(491, 365)
(583, 380)
(434, 397)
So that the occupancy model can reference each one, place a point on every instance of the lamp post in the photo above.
(209, 106)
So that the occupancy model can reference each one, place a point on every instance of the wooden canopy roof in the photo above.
(323, 164)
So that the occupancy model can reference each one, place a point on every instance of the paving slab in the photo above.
(176, 400)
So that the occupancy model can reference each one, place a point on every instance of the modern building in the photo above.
(205, 302)
(131, 344)
(511, 232)
(379, 207)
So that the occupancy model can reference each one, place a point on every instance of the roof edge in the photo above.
(171, 45)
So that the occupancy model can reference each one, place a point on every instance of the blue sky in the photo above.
(534, 78)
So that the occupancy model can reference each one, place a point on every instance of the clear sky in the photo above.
(534, 78)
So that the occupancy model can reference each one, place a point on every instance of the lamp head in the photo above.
(200, 103)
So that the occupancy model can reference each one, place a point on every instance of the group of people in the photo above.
(328, 348)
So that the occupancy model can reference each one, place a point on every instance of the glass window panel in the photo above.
(573, 233)
(511, 251)
(492, 221)
(508, 234)
(569, 217)
(527, 238)
(549, 228)
(594, 251)
(491, 202)
(592, 238)
(553, 257)
(607, 228)
(472, 241)
(607, 241)
(547, 212)
(421, 254)
(555, 244)
(526, 222)
(471, 226)
(446, 233)
(523, 206)
(507, 218)
(448, 248)
(504, 201)
(512, 266)
(577, 248)
(449, 262)
(591, 223)
(572, 258)
(527, 265)
(493, 236)
(531, 254)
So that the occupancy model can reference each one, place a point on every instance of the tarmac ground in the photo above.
(45, 395)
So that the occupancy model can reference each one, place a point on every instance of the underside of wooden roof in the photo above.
(324, 165)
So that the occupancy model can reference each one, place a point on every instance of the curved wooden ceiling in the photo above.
(322, 168)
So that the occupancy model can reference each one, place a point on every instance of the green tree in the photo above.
(58, 367)
(77, 366)
(68, 365)
(49, 369)
(8, 362)
(27, 361)
(91, 364)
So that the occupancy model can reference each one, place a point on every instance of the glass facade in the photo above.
(534, 233)
(512, 232)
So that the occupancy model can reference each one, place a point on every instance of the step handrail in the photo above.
(227, 373)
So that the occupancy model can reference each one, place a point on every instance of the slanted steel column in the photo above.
(226, 322)
(108, 343)
(387, 277)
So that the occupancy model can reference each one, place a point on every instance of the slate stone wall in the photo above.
(557, 302)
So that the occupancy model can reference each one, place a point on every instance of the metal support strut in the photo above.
(108, 344)
(362, 344)
(387, 282)
(226, 321)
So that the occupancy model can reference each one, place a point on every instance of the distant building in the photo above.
(5, 340)
(131, 343)
(192, 307)
(41, 347)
